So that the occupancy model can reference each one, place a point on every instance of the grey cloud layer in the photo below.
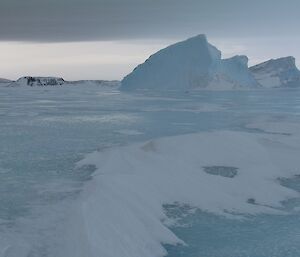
(84, 20)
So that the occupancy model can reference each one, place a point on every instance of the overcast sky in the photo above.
(105, 39)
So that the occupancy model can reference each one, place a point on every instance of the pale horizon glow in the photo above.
(112, 60)
(106, 39)
(73, 61)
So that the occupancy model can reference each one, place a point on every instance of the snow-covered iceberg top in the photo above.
(190, 64)
(280, 72)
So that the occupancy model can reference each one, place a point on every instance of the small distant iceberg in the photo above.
(196, 64)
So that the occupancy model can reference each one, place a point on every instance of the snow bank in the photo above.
(190, 64)
(121, 213)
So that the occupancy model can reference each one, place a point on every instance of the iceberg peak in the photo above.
(241, 59)
(190, 64)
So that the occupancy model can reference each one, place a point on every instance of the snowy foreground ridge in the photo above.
(226, 173)
(196, 64)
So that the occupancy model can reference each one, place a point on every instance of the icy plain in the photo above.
(91, 171)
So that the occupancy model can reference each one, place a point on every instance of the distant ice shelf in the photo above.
(56, 81)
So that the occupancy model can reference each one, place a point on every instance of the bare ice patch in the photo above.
(106, 118)
(149, 147)
(224, 171)
(130, 132)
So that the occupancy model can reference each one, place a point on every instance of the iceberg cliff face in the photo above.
(190, 64)
(280, 72)
(233, 73)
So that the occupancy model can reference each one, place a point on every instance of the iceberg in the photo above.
(280, 72)
(190, 64)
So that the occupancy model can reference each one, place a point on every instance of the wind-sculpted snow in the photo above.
(122, 209)
(190, 64)
(280, 72)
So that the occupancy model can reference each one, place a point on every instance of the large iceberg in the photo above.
(280, 72)
(190, 64)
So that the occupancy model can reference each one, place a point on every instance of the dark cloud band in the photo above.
(86, 20)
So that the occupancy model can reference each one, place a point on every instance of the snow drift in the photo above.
(190, 64)
(186, 169)
(280, 72)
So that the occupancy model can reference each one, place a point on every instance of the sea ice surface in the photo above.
(90, 170)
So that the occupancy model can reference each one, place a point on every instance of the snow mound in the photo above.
(280, 72)
(141, 178)
(190, 64)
